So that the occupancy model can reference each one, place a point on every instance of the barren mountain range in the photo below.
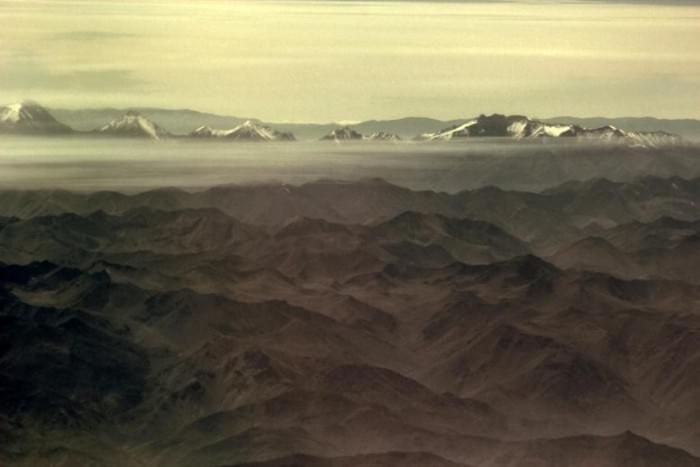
(352, 324)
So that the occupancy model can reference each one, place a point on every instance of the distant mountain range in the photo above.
(182, 121)
(31, 118)
(520, 127)
(685, 127)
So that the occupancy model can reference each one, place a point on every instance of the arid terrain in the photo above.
(352, 323)
(333, 233)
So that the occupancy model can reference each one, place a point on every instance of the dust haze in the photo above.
(138, 165)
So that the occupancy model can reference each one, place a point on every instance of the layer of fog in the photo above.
(135, 165)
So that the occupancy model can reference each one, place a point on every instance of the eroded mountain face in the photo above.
(351, 324)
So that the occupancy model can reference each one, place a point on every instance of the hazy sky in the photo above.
(355, 60)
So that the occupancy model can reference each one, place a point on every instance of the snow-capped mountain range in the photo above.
(246, 131)
(521, 127)
(29, 117)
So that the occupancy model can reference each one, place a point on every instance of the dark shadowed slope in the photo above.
(339, 324)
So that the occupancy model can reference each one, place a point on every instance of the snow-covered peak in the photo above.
(246, 131)
(29, 117)
(536, 128)
(133, 124)
(456, 131)
(513, 126)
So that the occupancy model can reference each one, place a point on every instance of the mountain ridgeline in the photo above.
(31, 118)
(246, 131)
(351, 323)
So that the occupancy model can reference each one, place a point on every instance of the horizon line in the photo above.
(343, 121)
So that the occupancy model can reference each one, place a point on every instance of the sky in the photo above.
(346, 60)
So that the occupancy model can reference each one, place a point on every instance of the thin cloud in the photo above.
(27, 74)
(88, 35)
